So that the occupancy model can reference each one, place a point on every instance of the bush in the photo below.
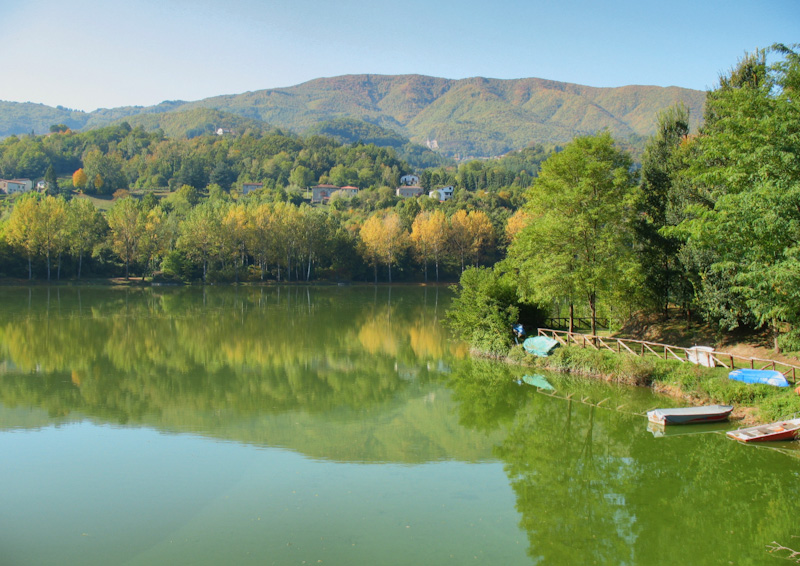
(484, 310)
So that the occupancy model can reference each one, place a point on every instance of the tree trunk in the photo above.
(571, 318)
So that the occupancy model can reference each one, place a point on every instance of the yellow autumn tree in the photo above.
(383, 239)
(429, 237)
(470, 233)
(79, 179)
(515, 224)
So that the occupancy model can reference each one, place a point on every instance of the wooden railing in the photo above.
(577, 322)
(667, 352)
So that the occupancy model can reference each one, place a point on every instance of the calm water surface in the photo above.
(341, 426)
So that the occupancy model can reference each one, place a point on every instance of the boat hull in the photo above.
(773, 432)
(690, 415)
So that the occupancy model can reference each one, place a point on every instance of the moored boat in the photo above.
(541, 346)
(765, 376)
(690, 415)
(781, 430)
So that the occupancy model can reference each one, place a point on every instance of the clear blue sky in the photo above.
(88, 54)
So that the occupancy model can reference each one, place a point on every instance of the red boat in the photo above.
(781, 430)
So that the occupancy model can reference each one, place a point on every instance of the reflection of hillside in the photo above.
(594, 486)
(211, 359)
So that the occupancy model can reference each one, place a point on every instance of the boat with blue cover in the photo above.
(765, 376)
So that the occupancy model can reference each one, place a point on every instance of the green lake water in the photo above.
(342, 426)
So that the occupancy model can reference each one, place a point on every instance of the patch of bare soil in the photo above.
(675, 331)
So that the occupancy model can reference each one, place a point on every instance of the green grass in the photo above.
(700, 383)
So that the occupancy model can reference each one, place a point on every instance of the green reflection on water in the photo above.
(282, 425)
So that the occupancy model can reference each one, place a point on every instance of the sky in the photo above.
(89, 54)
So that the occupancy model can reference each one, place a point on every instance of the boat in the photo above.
(765, 376)
(541, 346)
(701, 355)
(538, 380)
(781, 430)
(690, 415)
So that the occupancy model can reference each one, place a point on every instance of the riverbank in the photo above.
(693, 384)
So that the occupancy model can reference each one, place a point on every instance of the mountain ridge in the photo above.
(472, 117)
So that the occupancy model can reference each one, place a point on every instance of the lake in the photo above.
(342, 426)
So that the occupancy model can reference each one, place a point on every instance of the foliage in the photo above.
(577, 246)
(744, 173)
(473, 117)
(484, 310)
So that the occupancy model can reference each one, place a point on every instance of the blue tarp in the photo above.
(541, 346)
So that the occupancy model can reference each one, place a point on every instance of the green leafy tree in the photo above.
(578, 245)
(660, 205)
(484, 310)
(126, 230)
(85, 227)
(746, 178)
(22, 230)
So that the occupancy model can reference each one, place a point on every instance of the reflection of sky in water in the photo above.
(88, 494)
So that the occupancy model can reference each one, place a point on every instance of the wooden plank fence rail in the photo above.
(665, 351)
(577, 322)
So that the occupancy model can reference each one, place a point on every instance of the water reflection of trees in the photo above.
(127, 352)
(593, 486)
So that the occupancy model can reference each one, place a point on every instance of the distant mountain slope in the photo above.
(27, 117)
(194, 122)
(469, 117)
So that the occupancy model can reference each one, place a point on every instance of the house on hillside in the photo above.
(14, 186)
(442, 193)
(321, 193)
(349, 191)
(406, 192)
(250, 187)
(409, 180)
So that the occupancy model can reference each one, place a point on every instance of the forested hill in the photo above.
(474, 117)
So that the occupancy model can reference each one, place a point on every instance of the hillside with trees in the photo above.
(710, 230)
(474, 117)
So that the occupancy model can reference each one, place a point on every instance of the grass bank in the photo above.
(692, 383)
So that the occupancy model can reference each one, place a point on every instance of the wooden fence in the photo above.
(664, 351)
(577, 322)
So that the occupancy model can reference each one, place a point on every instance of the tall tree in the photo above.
(746, 176)
(578, 245)
(126, 230)
(85, 226)
(52, 229)
(660, 206)
(23, 230)
(429, 237)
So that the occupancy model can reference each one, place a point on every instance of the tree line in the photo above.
(221, 239)
(709, 225)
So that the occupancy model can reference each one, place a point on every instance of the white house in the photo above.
(406, 192)
(13, 186)
(442, 193)
(409, 180)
